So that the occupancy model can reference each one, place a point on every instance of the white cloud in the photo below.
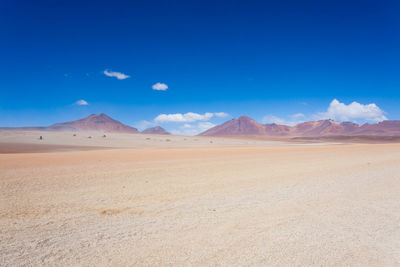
(342, 112)
(118, 75)
(187, 117)
(202, 126)
(297, 115)
(141, 125)
(81, 103)
(295, 119)
(160, 87)
(192, 123)
(221, 114)
(272, 119)
(193, 129)
(187, 126)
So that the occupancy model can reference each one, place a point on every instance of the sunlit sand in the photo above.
(128, 200)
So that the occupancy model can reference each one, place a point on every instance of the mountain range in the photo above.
(95, 122)
(245, 126)
(242, 126)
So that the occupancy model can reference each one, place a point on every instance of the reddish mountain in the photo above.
(277, 130)
(384, 128)
(241, 126)
(244, 126)
(155, 130)
(94, 122)
(324, 128)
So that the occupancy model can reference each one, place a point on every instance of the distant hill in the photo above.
(94, 122)
(242, 126)
(245, 126)
(155, 130)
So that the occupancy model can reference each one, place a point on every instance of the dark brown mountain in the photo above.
(245, 126)
(155, 130)
(95, 122)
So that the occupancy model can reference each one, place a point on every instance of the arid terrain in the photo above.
(153, 200)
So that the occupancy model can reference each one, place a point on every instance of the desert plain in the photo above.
(150, 200)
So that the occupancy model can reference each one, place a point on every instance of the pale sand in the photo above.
(274, 205)
(20, 141)
(117, 140)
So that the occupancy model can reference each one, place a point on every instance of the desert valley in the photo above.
(98, 192)
(199, 133)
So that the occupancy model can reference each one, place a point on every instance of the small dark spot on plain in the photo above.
(168, 140)
(148, 138)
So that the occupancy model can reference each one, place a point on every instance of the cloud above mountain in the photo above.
(336, 111)
(293, 120)
(143, 124)
(221, 114)
(188, 117)
(194, 128)
(353, 111)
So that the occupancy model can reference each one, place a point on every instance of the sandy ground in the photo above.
(250, 204)
(22, 141)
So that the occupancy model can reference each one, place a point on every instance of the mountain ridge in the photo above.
(328, 127)
(94, 122)
(242, 126)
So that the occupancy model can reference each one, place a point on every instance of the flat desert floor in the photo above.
(208, 202)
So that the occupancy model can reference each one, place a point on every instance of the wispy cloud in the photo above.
(118, 75)
(193, 129)
(273, 119)
(297, 115)
(188, 117)
(221, 114)
(160, 87)
(203, 126)
(143, 124)
(293, 119)
(81, 102)
(353, 111)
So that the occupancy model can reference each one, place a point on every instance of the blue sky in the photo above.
(269, 60)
